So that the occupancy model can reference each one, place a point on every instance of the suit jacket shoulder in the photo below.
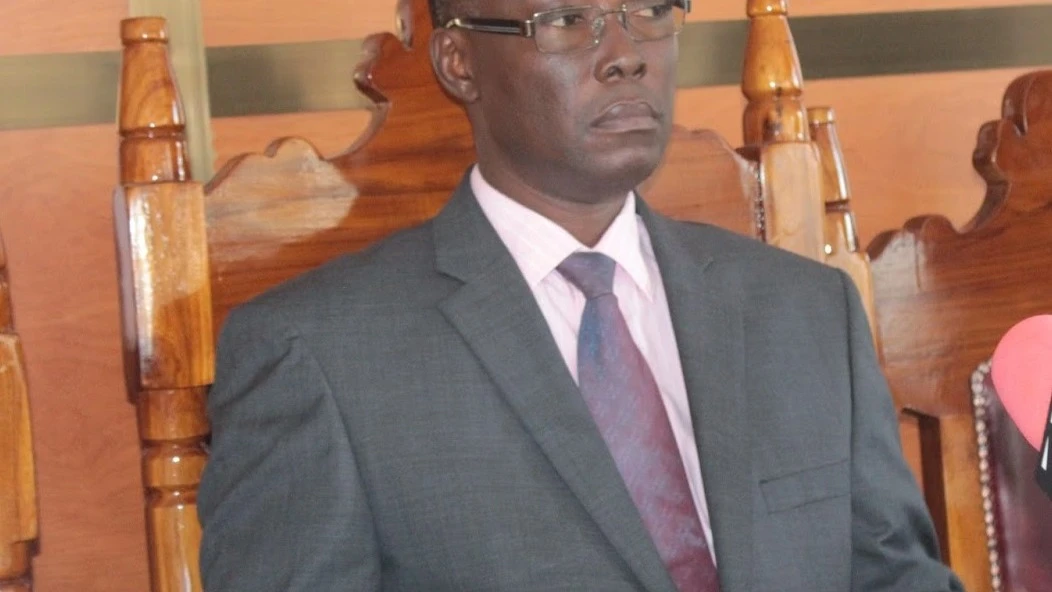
(397, 272)
(762, 268)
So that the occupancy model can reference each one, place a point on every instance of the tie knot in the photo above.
(592, 273)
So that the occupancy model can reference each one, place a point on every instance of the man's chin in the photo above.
(632, 167)
(614, 181)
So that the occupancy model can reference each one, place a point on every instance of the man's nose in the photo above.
(620, 53)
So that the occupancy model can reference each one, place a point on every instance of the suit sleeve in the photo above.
(281, 502)
(894, 545)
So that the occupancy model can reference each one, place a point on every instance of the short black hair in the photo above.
(443, 11)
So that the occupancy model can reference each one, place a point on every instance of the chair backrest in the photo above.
(944, 298)
(1019, 512)
(18, 503)
(190, 252)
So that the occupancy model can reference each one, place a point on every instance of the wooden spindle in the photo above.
(774, 128)
(772, 80)
(152, 124)
(166, 299)
(841, 234)
(18, 509)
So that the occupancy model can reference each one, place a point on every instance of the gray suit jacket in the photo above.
(401, 419)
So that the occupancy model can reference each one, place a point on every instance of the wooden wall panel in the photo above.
(907, 140)
(733, 9)
(718, 108)
(241, 22)
(331, 132)
(55, 188)
(44, 26)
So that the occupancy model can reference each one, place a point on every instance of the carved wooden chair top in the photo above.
(944, 298)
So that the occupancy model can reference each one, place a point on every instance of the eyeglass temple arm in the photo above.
(500, 26)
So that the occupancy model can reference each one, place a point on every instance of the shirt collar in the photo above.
(539, 245)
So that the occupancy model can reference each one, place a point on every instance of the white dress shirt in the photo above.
(539, 245)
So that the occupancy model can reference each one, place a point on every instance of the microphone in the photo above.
(1022, 376)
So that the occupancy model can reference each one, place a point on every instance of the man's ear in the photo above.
(451, 60)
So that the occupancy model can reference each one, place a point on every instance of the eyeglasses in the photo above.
(574, 28)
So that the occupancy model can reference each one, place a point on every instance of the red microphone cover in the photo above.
(1022, 375)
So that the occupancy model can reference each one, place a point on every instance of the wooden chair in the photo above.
(188, 253)
(944, 298)
(18, 503)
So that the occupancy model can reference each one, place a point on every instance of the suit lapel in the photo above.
(496, 314)
(705, 299)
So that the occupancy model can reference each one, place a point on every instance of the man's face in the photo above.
(573, 125)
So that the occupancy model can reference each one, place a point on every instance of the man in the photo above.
(549, 386)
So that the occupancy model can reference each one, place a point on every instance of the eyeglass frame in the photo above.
(527, 28)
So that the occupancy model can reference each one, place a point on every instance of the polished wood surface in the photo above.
(18, 498)
(275, 215)
(775, 126)
(730, 192)
(841, 249)
(166, 300)
(151, 122)
(772, 81)
(188, 253)
(944, 299)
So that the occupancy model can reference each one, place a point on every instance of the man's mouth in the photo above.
(628, 116)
